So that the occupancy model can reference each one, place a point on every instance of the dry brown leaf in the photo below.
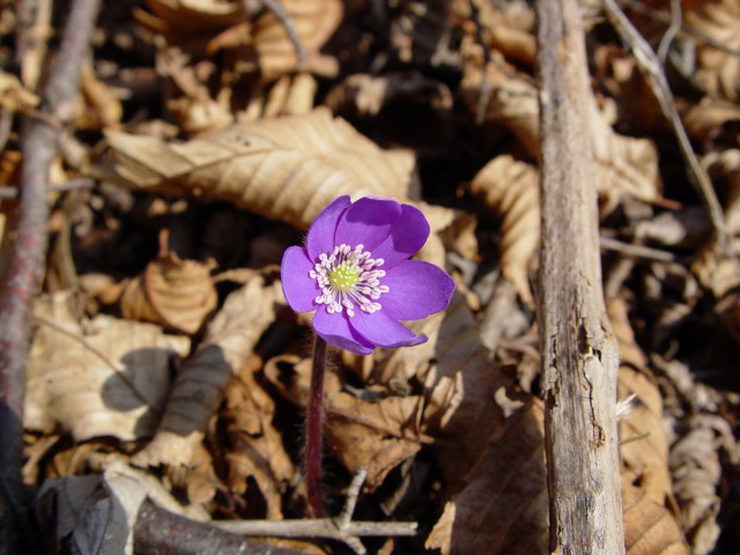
(705, 120)
(697, 469)
(177, 294)
(625, 165)
(292, 95)
(650, 524)
(185, 17)
(100, 377)
(98, 104)
(649, 528)
(370, 434)
(14, 96)
(511, 190)
(256, 446)
(286, 168)
(200, 384)
(718, 72)
(264, 44)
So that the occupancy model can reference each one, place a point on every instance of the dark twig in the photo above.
(671, 32)
(650, 67)
(39, 146)
(314, 418)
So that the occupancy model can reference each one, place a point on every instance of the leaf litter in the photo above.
(165, 363)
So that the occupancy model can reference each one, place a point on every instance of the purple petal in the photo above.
(336, 331)
(368, 221)
(320, 237)
(383, 330)
(405, 239)
(416, 290)
(299, 288)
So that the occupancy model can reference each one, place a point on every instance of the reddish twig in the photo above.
(39, 146)
(314, 417)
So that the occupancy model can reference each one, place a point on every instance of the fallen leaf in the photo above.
(200, 384)
(511, 190)
(99, 377)
(285, 168)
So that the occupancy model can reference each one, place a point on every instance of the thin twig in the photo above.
(650, 66)
(315, 528)
(671, 32)
(25, 269)
(643, 8)
(69, 185)
(636, 250)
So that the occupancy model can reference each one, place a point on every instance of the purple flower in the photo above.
(356, 274)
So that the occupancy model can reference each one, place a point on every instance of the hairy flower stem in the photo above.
(312, 454)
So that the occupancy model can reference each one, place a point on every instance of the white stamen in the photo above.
(349, 278)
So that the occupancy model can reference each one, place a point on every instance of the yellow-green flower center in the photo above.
(345, 276)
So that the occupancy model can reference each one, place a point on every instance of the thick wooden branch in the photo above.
(22, 278)
(579, 353)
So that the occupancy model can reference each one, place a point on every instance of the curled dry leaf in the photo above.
(511, 189)
(705, 120)
(286, 168)
(14, 96)
(649, 516)
(718, 72)
(177, 294)
(264, 42)
(697, 469)
(183, 18)
(378, 435)
(200, 384)
(255, 446)
(99, 377)
(625, 165)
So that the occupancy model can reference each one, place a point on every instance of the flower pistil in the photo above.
(349, 276)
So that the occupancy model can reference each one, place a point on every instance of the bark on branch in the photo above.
(579, 353)
(39, 146)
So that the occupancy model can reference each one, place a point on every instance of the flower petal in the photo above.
(405, 239)
(320, 237)
(336, 331)
(383, 330)
(299, 288)
(368, 222)
(416, 290)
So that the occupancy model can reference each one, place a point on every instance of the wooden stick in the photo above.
(39, 146)
(579, 352)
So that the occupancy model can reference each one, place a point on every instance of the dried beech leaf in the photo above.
(696, 466)
(186, 17)
(14, 96)
(256, 447)
(624, 165)
(511, 189)
(705, 119)
(314, 21)
(177, 294)
(102, 377)
(286, 168)
(200, 384)
(648, 526)
(360, 433)
(718, 72)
